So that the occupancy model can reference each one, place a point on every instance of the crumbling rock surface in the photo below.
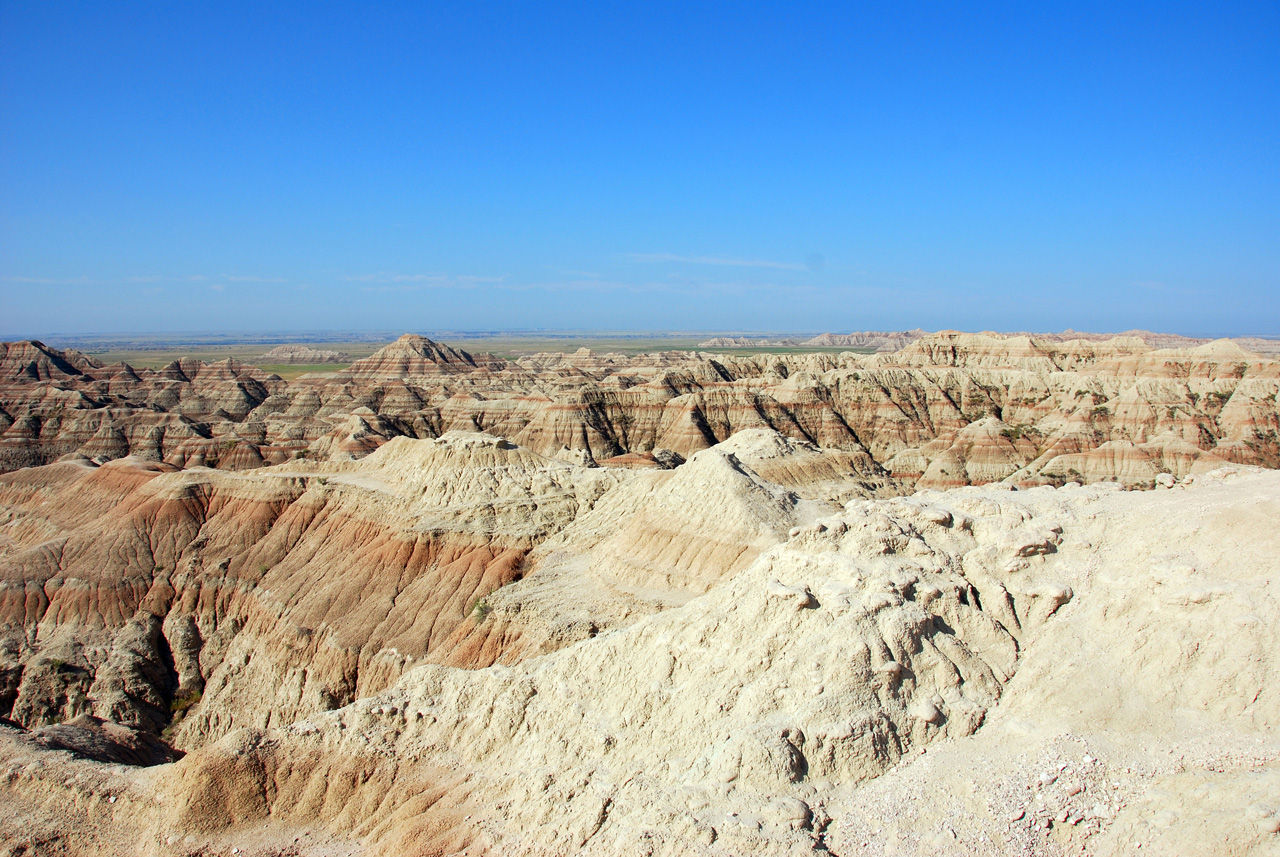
(970, 671)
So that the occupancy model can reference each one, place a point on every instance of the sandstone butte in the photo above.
(439, 603)
(303, 354)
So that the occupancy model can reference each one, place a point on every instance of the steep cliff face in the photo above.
(948, 409)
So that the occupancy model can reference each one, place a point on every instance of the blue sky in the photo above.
(735, 166)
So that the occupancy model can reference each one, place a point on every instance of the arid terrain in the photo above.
(979, 594)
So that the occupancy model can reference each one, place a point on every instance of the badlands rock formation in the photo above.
(303, 354)
(745, 342)
(743, 634)
(948, 410)
(1164, 340)
(880, 340)
(971, 671)
(893, 341)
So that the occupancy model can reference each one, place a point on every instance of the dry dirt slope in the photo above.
(971, 671)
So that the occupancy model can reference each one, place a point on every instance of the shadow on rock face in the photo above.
(103, 741)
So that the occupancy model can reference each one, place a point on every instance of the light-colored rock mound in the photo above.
(649, 544)
(303, 355)
(971, 671)
(745, 342)
(809, 470)
(877, 339)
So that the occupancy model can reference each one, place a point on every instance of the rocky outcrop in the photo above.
(302, 355)
(880, 340)
(413, 356)
(745, 342)
(259, 598)
(976, 670)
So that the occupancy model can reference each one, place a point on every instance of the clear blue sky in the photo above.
(418, 166)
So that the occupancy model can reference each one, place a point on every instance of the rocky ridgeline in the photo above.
(302, 355)
(947, 410)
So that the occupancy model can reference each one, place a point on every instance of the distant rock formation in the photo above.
(416, 356)
(302, 355)
(1161, 340)
(745, 342)
(880, 340)
(949, 409)
(887, 341)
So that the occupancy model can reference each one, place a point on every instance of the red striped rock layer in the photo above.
(269, 596)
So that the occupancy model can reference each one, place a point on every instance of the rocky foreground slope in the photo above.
(971, 671)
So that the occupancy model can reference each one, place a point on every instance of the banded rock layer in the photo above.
(947, 410)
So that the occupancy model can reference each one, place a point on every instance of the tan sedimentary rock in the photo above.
(718, 658)
(1084, 667)
(411, 356)
(877, 339)
(744, 342)
(904, 409)
(272, 594)
(303, 354)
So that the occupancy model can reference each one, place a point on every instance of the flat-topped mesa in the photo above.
(881, 340)
(302, 355)
(412, 356)
(746, 342)
(1017, 351)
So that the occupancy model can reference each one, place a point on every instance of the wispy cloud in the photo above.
(390, 281)
(586, 285)
(715, 260)
(139, 280)
(391, 277)
(570, 272)
(51, 281)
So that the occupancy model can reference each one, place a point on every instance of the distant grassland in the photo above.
(512, 347)
(289, 371)
(141, 356)
(155, 358)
